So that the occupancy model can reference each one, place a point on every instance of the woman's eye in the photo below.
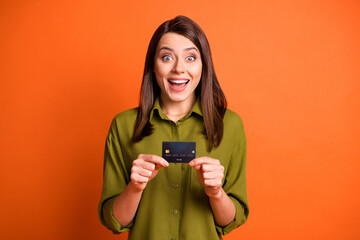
(167, 58)
(190, 58)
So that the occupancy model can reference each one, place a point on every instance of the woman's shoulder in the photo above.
(125, 118)
(233, 123)
(123, 122)
(127, 114)
(232, 118)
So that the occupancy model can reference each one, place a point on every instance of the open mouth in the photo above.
(178, 82)
(178, 85)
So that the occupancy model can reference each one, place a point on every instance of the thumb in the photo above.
(158, 166)
(198, 168)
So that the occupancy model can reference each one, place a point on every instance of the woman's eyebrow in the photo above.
(172, 50)
(191, 48)
(166, 48)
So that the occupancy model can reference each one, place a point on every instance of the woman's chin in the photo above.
(178, 97)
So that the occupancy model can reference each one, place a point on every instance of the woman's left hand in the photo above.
(210, 173)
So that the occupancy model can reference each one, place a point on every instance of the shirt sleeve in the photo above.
(235, 184)
(115, 179)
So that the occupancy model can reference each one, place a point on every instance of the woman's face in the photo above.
(177, 68)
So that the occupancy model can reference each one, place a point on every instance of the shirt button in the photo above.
(175, 212)
(176, 186)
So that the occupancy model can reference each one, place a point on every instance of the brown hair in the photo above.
(213, 101)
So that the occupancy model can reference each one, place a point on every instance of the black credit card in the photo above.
(179, 152)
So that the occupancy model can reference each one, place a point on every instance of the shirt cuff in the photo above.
(240, 218)
(110, 221)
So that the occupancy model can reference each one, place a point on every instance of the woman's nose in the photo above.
(179, 66)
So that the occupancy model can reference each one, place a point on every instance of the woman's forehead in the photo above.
(175, 41)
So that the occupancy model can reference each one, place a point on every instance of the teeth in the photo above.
(179, 81)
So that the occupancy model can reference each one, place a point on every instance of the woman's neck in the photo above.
(176, 110)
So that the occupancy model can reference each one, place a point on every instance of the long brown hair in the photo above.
(213, 101)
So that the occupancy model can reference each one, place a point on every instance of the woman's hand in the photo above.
(145, 168)
(210, 173)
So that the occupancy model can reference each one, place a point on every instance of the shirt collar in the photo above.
(196, 108)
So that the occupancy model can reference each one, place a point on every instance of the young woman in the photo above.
(180, 100)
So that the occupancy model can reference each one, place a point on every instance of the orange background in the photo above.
(289, 68)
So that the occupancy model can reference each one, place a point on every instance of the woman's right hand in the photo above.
(145, 168)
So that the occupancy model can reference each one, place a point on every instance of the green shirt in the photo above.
(174, 204)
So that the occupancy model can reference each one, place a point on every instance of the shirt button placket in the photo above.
(176, 192)
(175, 201)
